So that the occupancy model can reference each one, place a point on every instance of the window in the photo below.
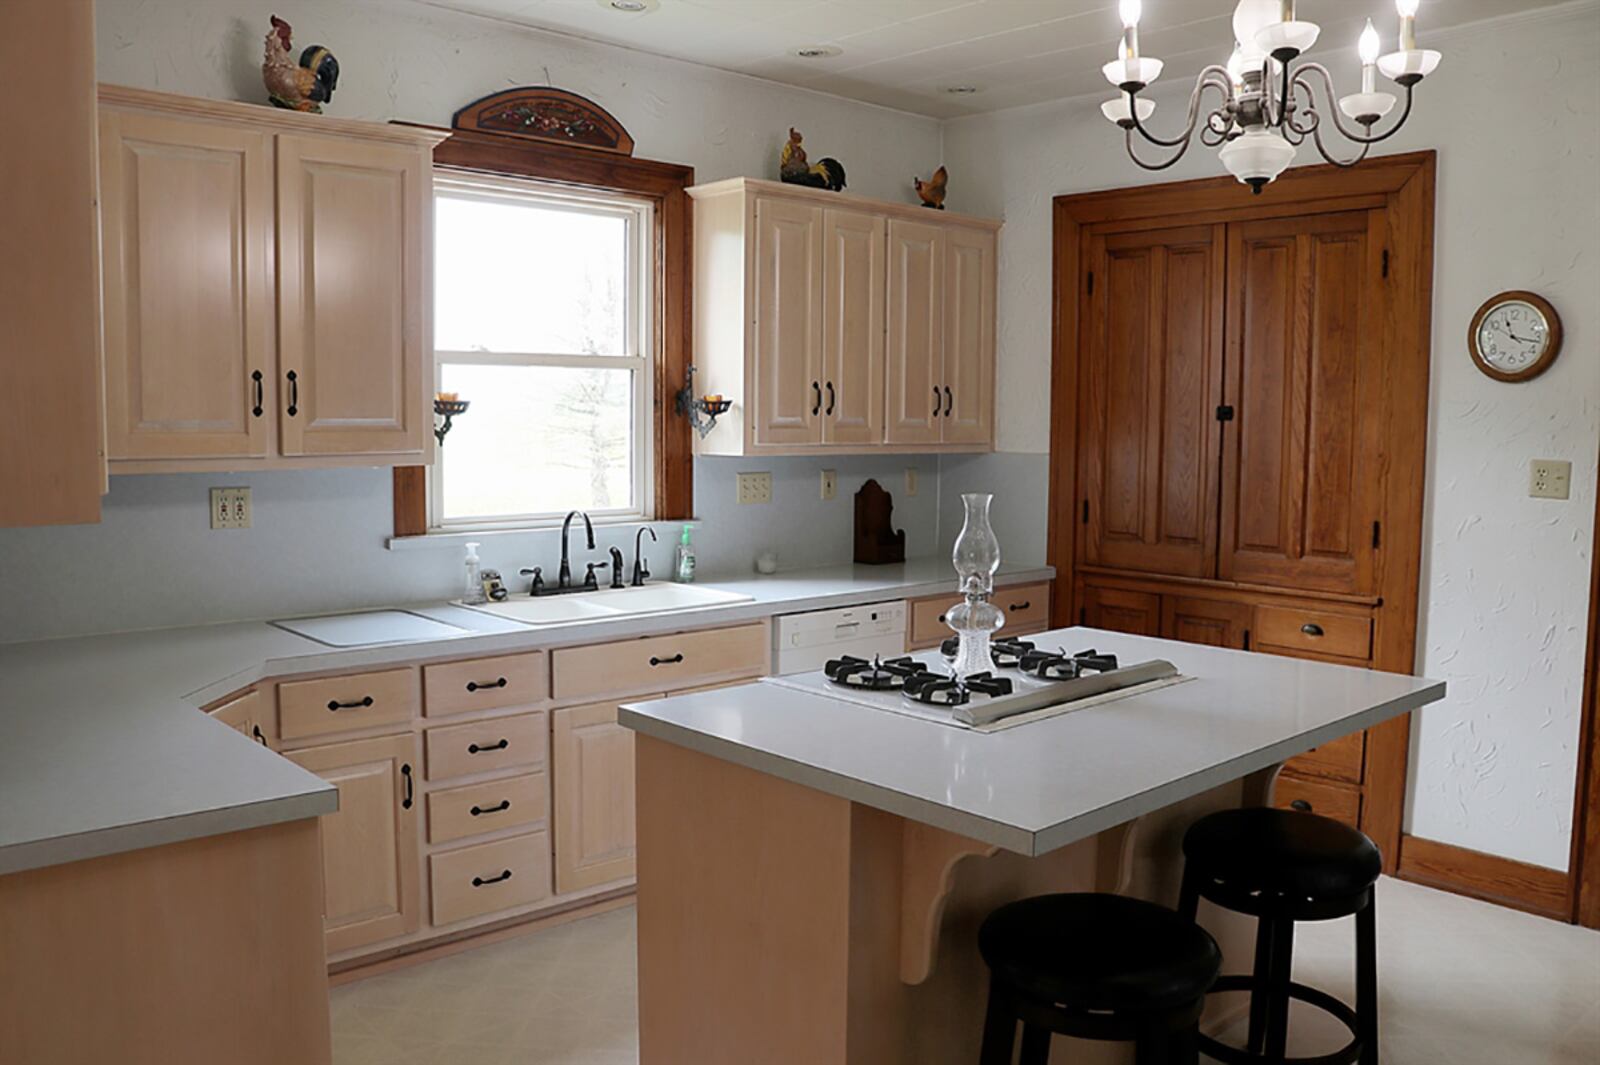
(542, 322)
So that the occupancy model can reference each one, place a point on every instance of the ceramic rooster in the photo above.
(793, 168)
(302, 86)
(932, 190)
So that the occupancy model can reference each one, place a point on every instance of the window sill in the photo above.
(439, 539)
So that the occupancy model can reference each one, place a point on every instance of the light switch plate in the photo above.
(830, 484)
(1550, 479)
(230, 508)
(755, 488)
(911, 481)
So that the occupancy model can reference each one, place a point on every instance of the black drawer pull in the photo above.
(257, 735)
(1311, 628)
(935, 401)
(674, 660)
(949, 402)
(473, 685)
(411, 788)
(479, 881)
(256, 410)
(473, 748)
(817, 406)
(334, 704)
(1025, 604)
(830, 397)
(294, 393)
(479, 811)
(1301, 805)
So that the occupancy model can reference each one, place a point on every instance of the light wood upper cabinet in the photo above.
(835, 323)
(592, 758)
(266, 282)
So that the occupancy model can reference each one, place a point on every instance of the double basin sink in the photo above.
(608, 603)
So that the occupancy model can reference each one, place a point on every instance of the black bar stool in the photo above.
(1097, 967)
(1283, 866)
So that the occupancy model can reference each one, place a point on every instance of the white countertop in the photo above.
(102, 748)
(1043, 785)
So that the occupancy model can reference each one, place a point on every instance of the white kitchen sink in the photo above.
(609, 603)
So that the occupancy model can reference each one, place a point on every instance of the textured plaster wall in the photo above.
(1514, 112)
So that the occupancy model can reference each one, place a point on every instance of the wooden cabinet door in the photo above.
(1120, 610)
(787, 400)
(969, 322)
(370, 871)
(852, 334)
(1152, 380)
(1302, 462)
(354, 232)
(915, 332)
(1214, 622)
(187, 229)
(592, 760)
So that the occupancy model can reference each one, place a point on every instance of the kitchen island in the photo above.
(812, 873)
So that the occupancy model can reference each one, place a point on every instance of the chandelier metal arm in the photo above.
(1213, 76)
(1183, 149)
(1350, 134)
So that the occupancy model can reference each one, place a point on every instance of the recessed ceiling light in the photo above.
(631, 7)
(961, 90)
(818, 51)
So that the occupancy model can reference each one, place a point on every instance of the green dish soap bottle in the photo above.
(685, 570)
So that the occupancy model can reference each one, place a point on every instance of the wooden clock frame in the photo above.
(1539, 365)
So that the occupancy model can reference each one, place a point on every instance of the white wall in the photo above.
(1514, 112)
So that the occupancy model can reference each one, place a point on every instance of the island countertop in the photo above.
(1042, 785)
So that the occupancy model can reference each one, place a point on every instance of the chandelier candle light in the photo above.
(1269, 104)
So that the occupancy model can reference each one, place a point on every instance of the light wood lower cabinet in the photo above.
(369, 847)
(594, 813)
(250, 714)
(489, 877)
(1026, 606)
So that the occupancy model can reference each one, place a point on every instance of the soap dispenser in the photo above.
(685, 570)
(474, 588)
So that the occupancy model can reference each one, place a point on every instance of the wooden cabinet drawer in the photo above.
(344, 704)
(489, 877)
(1026, 606)
(482, 746)
(455, 813)
(1342, 635)
(658, 662)
(1340, 759)
(484, 684)
(1342, 802)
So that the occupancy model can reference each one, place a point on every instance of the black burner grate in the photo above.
(877, 675)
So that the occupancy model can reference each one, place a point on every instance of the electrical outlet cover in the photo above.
(755, 488)
(911, 481)
(830, 484)
(230, 508)
(1550, 479)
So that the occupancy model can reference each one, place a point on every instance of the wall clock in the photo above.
(1515, 336)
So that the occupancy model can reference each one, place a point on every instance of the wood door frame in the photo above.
(1583, 880)
(666, 186)
(1404, 185)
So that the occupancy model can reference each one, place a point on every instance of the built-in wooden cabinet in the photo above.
(594, 815)
(266, 279)
(837, 323)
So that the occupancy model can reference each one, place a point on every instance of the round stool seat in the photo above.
(1099, 952)
(1284, 852)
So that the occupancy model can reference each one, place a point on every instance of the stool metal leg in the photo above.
(1035, 1045)
(1277, 1045)
(1258, 996)
(1152, 1048)
(1367, 979)
(1185, 1046)
(999, 1030)
(1189, 895)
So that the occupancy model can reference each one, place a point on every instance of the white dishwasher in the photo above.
(803, 642)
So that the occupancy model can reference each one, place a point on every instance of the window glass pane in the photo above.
(537, 440)
(517, 276)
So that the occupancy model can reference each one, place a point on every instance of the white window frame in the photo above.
(638, 339)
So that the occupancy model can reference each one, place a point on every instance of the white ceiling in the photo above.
(905, 53)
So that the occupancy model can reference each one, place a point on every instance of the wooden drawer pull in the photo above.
(479, 811)
(334, 704)
(674, 660)
(1311, 628)
(479, 881)
(473, 685)
(1301, 805)
(473, 748)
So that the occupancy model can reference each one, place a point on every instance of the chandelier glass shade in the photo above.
(1268, 101)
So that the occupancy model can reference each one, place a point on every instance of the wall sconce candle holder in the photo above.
(447, 409)
(702, 411)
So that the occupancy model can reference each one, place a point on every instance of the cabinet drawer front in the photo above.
(1340, 759)
(1027, 607)
(1342, 802)
(456, 813)
(1344, 635)
(344, 704)
(484, 684)
(658, 662)
(489, 877)
(486, 745)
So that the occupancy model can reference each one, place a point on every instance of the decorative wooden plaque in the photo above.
(553, 115)
(877, 541)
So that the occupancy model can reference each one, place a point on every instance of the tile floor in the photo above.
(1463, 983)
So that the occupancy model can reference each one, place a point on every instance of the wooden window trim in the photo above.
(664, 185)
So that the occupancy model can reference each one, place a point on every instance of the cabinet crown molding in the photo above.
(263, 116)
(910, 211)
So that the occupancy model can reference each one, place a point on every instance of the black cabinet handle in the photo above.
(479, 881)
(473, 748)
(1301, 805)
(411, 788)
(257, 735)
(473, 685)
(256, 411)
(949, 401)
(830, 398)
(1311, 628)
(674, 660)
(935, 401)
(479, 811)
(294, 393)
(1025, 604)
(334, 704)
(817, 406)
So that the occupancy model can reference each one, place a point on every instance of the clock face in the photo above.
(1513, 336)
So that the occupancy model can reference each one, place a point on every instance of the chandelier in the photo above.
(1269, 105)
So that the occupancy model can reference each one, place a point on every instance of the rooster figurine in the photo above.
(793, 168)
(932, 190)
(302, 86)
